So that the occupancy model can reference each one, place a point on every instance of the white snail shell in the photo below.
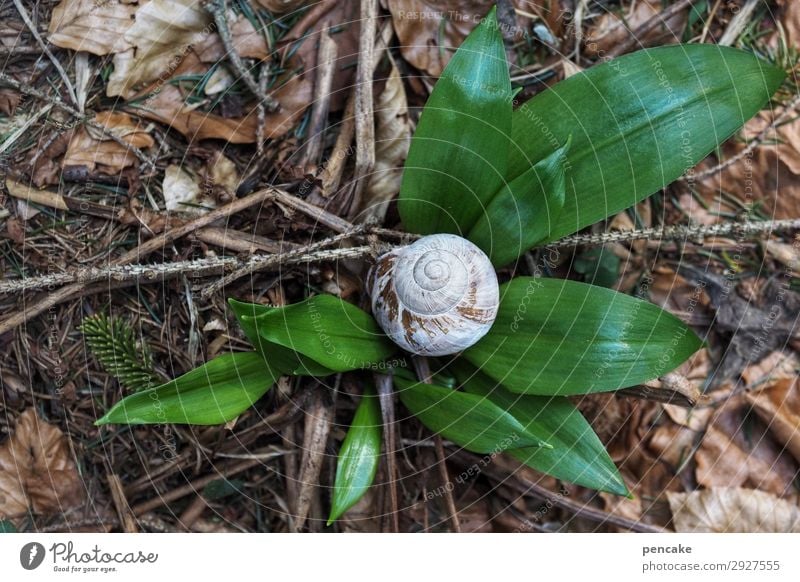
(435, 297)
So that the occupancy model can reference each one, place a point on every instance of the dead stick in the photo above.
(312, 211)
(333, 170)
(206, 267)
(126, 517)
(682, 232)
(219, 12)
(383, 382)
(193, 487)
(423, 370)
(365, 118)
(32, 28)
(160, 241)
(326, 66)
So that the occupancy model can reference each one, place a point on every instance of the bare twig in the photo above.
(207, 267)
(365, 119)
(423, 371)
(682, 232)
(126, 517)
(319, 418)
(321, 215)
(219, 12)
(34, 308)
(332, 174)
(194, 486)
(32, 28)
(383, 383)
(262, 263)
(738, 23)
(326, 66)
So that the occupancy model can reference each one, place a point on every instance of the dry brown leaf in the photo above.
(36, 470)
(786, 254)
(429, 30)
(9, 99)
(770, 175)
(729, 510)
(161, 35)
(167, 106)
(779, 407)
(613, 28)
(674, 293)
(779, 365)
(94, 26)
(223, 173)
(94, 150)
(182, 192)
(392, 138)
(247, 41)
(735, 454)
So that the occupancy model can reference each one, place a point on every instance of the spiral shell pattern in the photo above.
(435, 297)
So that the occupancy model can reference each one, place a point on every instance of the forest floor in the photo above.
(130, 134)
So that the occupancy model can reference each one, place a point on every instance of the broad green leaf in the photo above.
(523, 212)
(7, 527)
(459, 153)
(286, 360)
(470, 421)
(563, 337)
(214, 393)
(638, 122)
(330, 334)
(358, 457)
(577, 455)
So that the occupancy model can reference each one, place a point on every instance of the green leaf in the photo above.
(470, 421)
(358, 457)
(7, 527)
(214, 393)
(459, 153)
(598, 265)
(334, 334)
(638, 122)
(577, 455)
(523, 212)
(284, 359)
(563, 337)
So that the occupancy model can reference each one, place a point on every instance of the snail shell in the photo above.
(435, 297)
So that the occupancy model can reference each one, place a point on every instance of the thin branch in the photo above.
(34, 308)
(740, 230)
(364, 108)
(207, 267)
(219, 12)
(32, 27)
(423, 371)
